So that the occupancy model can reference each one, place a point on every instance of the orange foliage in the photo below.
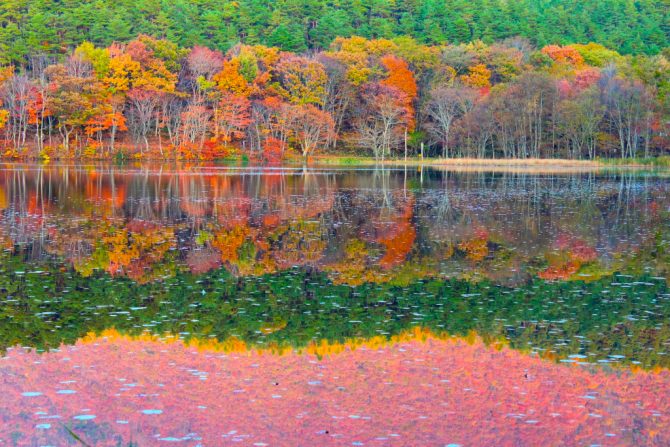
(230, 80)
(398, 237)
(99, 123)
(400, 77)
(564, 55)
(211, 150)
(272, 150)
(228, 242)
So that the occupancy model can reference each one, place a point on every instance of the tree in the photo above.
(580, 120)
(479, 76)
(231, 117)
(195, 124)
(144, 105)
(339, 94)
(628, 111)
(203, 64)
(231, 80)
(384, 119)
(300, 80)
(15, 95)
(109, 118)
(597, 55)
(72, 101)
(401, 78)
(311, 127)
(564, 55)
(270, 120)
(447, 104)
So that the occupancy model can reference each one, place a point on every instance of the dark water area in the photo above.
(565, 272)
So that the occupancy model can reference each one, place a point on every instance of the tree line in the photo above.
(30, 27)
(151, 98)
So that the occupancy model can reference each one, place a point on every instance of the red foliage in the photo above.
(587, 77)
(272, 150)
(139, 52)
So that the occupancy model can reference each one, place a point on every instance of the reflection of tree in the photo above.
(599, 318)
(501, 226)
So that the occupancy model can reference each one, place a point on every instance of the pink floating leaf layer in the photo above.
(433, 393)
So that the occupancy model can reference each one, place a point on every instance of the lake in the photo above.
(208, 306)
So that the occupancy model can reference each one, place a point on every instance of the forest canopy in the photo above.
(151, 98)
(210, 79)
(29, 27)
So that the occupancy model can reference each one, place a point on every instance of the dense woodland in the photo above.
(152, 98)
(46, 26)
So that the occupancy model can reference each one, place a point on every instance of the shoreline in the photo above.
(659, 163)
(344, 161)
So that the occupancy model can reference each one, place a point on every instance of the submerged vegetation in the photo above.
(616, 319)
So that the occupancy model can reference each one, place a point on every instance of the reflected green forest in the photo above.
(571, 266)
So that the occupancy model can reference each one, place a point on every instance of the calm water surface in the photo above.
(246, 306)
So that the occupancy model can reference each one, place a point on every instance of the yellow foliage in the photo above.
(122, 71)
(478, 76)
(475, 249)
(4, 116)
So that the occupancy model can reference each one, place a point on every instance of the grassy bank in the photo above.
(658, 162)
(527, 164)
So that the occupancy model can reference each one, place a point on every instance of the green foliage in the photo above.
(43, 26)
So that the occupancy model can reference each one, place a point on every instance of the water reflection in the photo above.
(152, 287)
(359, 226)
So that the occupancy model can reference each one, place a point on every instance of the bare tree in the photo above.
(311, 127)
(16, 95)
(339, 94)
(447, 104)
(628, 109)
(579, 121)
(381, 126)
(143, 107)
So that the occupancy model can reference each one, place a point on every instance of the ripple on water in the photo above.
(84, 417)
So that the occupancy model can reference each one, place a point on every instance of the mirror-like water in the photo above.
(107, 274)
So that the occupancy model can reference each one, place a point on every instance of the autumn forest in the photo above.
(390, 94)
(334, 223)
